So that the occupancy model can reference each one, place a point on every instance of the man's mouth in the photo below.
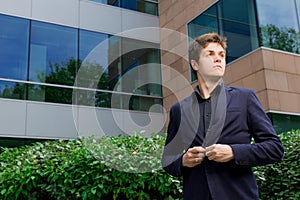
(218, 66)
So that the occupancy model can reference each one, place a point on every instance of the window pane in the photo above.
(145, 104)
(109, 2)
(282, 122)
(140, 63)
(204, 23)
(150, 6)
(237, 23)
(53, 53)
(12, 90)
(147, 7)
(50, 94)
(94, 56)
(239, 26)
(279, 24)
(14, 37)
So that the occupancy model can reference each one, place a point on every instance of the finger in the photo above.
(209, 148)
(197, 150)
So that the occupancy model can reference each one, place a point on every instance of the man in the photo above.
(210, 132)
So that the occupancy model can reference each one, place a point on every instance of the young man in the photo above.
(210, 132)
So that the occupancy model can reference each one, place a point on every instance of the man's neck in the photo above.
(206, 87)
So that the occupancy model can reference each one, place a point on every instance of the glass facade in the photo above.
(279, 24)
(14, 51)
(237, 23)
(284, 122)
(43, 65)
(145, 6)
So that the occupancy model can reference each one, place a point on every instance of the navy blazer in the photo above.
(245, 119)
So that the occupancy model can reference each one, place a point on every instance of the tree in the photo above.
(286, 39)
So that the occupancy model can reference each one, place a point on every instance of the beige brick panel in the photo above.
(257, 63)
(289, 102)
(273, 100)
(284, 62)
(255, 81)
(294, 83)
(263, 98)
(268, 59)
(297, 64)
(276, 80)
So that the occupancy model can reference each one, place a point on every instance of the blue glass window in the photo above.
(279, 24)
(284, 122)
(53, 53)
(53, 60)
(94, 52)
(14, 36)
(146, 6)
(237, 23)
(12, 90)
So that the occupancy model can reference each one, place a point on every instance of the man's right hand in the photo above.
(193, 156)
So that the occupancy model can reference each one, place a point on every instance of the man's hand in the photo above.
(219, 153)
(194, 156)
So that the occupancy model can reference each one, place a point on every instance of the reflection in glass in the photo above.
(14, 36)
(50, 93)
(12, 90)
(94, 49)
(107, 64)
(237, 23)
(109, 2)
(279, 25)
(53, 51)
(284, 122)
(146, 6)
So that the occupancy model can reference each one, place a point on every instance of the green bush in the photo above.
(88, 169)
(121, 167)
(282, 180)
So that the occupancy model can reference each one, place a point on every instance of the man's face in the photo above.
(212, 62)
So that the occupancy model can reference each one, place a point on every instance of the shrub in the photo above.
(83, 169)
(282, 180)
(121, 167)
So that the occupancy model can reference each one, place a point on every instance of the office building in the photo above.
(263, 49)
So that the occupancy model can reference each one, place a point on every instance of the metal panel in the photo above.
(16, 7)
(100, 17)
(141, 26)
(12, 117)
(64, 12)
(50, 121)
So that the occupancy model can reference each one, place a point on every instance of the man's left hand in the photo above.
(219, 152)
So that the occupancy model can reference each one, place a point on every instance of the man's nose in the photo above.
(217, 58)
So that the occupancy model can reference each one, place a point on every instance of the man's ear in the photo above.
(194, 65)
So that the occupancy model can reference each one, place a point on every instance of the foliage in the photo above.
(285, 39)
(69, 170)
(121, 167)
(92, 76)
(282, 180)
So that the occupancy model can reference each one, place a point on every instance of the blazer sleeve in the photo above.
(172, 156)
(267, 148)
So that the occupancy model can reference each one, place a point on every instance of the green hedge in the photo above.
(121, 167)
(282, 180)
(76, 169)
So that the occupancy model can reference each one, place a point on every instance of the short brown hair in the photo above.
(201, 42)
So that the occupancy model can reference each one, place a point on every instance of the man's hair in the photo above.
(201, 42)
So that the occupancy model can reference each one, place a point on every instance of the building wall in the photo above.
(273, 74)
(173, 17)
(27, 119)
